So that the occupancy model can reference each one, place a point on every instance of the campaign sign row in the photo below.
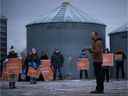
(83, 63)
(44, 69)
(14, 66)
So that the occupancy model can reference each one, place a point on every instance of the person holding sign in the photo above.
(82, 56)
(45, 69)
(106, 67)
(57, 61)
(44, 56)
(33, 64)
(119, 58)
(12, 76)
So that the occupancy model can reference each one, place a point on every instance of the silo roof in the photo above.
(66, 12)
(122, 28)
(3, 17)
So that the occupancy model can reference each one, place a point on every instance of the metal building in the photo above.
(3, 40)
(119, 39)
(66, 28)
(3, 37)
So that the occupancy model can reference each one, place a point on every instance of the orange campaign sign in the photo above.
(108, 59)
(32, 72)
(13, 66)
(118, 57)
(46, 70)
(83, 64)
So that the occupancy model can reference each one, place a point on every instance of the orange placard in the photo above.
(13, 66)
(107, 59)
(83, 64)
(46, 70)
(118, 57)
(32, 72)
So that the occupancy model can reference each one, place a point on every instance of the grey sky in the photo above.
(20, 12)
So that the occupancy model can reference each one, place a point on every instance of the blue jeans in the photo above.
(120, 67)
(58, 70)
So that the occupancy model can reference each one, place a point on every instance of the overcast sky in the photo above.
(113, 13)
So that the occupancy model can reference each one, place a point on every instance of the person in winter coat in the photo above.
(57, 61)
(97, 49)
(83, 54)
(119, 62)
(12, 54)
(33, 62)
(44, 56)
(106, 69)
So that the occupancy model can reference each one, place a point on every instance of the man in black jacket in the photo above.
(57, 60)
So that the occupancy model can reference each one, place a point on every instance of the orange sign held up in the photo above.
(32, 72)
(13, 66)
(108, 59)
(46, 70)
(83, 64)
(118, 57)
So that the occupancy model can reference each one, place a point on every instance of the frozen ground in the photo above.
(64, 88)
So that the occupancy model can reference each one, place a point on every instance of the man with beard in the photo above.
(97, 50)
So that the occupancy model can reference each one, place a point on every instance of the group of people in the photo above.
(57, 60)
(100, 71)
(33, 60)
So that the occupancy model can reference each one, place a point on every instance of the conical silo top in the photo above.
(66, 2)
(122, 28)
(66, 12)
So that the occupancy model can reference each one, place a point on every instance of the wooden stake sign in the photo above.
(118, 57)
(46, 70)
(13, 66)
(33, 72)
(107, 59)
(83, 64)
